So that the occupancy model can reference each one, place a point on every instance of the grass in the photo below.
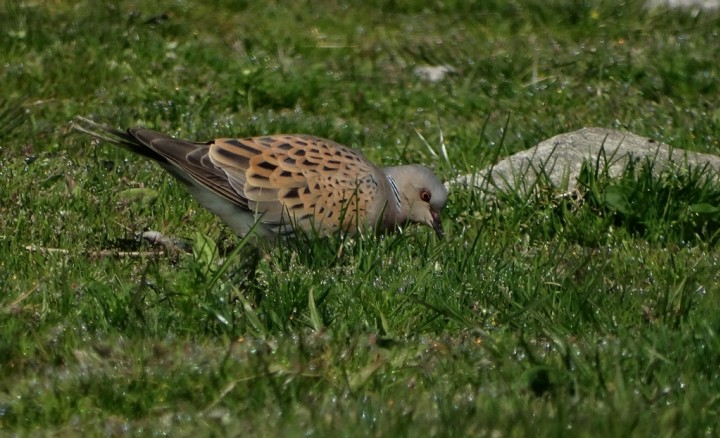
(537, 315)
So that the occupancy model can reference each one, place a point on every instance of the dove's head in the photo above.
(421, 195)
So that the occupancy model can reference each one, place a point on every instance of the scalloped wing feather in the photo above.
(298, 181)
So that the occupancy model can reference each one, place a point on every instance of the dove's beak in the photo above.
(437, 224)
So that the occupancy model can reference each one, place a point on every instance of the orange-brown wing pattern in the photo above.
(297, 180)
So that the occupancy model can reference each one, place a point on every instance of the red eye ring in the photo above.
(425, 195)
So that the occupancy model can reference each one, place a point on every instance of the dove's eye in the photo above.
(425, 195)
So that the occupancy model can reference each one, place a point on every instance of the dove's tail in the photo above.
(116, 137)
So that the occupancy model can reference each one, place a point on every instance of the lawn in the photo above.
(537, 315)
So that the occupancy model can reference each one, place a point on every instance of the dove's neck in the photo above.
(394, 197)
(394, 211)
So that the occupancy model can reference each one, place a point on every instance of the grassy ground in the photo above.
(540, 316)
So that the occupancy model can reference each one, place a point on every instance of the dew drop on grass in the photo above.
(519, 354)
(222, 319)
